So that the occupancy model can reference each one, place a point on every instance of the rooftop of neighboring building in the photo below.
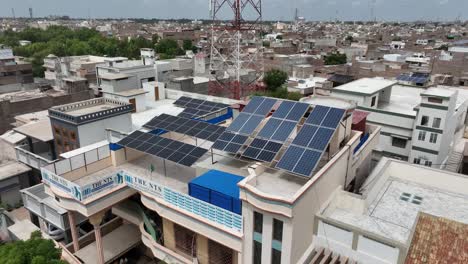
(9, 168)
(365, 86)
(394, 194)
(85, 111)
(40, 130)
(437, 239)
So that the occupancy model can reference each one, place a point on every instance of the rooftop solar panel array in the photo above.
(244, 125)
(253, 114)
(176, 151)
(304, 154)
(414, 78)
(283, 121)
(196, 107)
(262, 150)
(190, 127)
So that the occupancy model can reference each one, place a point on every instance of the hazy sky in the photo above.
(395, 10)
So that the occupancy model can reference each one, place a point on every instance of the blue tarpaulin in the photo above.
(217, 188)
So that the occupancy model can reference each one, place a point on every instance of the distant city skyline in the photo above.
(312, 10)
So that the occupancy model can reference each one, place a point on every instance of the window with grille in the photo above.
(186, 240)
(219, 254)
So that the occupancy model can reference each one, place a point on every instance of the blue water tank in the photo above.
(218, 188)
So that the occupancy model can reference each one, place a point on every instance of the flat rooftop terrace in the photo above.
(393, 211)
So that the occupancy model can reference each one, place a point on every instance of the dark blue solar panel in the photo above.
(284, 130)
(251, 124)
(219, 144)
(252, 106)
(265, 107)
(258, 143)
(232, 147)
(251, 153)
(321, 139)
(239, 139)
(239, 122)
(333, 118)
(290, 158)
(317, 115)
(269, 128)
(284, 109)
(273, 146)
(298, 111)
(305, 135)
(267, 156)
(307, 163)
(226, 136)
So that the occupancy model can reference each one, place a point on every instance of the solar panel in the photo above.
(165, 148)
(194, 128)
(230, 142)
(304, 154)
(253, 114)
(283, 121)
(262, 150)
(195, 108)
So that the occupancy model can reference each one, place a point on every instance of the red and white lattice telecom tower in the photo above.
(236, 56)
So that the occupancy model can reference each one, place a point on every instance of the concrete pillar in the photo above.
(168, 230)
(96, 220)
(202, 249)
(74, 232)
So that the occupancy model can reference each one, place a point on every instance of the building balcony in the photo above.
(90, 176)
(41, 158)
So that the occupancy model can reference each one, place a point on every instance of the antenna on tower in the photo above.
(372, 11)
(236, 54)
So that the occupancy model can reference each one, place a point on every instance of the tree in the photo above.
(187, 44)
(274, 79)
(335, 59)
(294, 96)
(349, 39)
(35, 250)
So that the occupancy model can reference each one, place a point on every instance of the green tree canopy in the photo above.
(335, 59)
(62, 41)
(274, 79)
(35, 250)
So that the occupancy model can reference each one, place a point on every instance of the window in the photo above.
(185, 240)
(258, 222)
(219, 253)
(424, 120)
(257, 252)
(428, 163)
(417, 161)
(373, 101)
(277, 230)
(434, 100)
(422, 136)
(73, 135)
(398, 142)
(417, 200)
(436, 122)
(275, 256)
(433, 138)
(405, 196)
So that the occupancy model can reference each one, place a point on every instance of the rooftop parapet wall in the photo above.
(114, 108)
